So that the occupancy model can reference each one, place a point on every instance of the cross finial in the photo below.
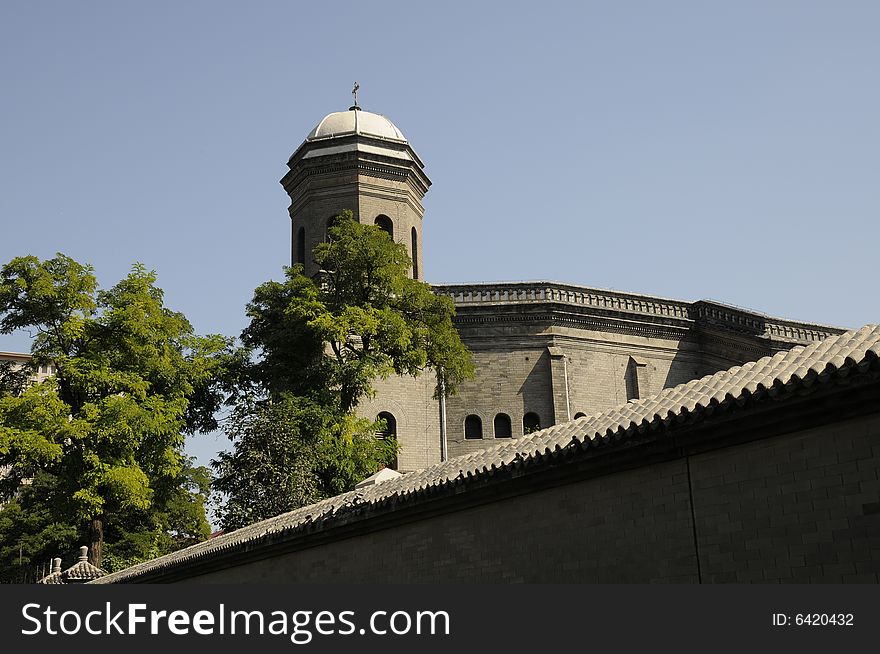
(354, 92)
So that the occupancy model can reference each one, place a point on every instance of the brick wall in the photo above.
(515, 375)
(800, 507)
(417, 414)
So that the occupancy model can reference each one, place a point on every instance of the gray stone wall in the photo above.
(803, 507)
(516, 374)
(411, 403)
(520, 369)
(597, 365)
(600, 531)
(396, 200)
(328, 197)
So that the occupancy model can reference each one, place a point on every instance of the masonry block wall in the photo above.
(516, 375)
(520, 370)
(510, 379)
(598, 363)
(627, 527)
(417, 414)
(802, 507)
(399, 201)
(799, 508)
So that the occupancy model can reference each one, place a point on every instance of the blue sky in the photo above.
(723, 150)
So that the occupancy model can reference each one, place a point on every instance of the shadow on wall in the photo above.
(537, 389)
(685, 366)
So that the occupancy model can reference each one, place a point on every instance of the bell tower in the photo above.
(360, 161)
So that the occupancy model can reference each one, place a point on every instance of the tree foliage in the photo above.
(290, 452)
(318, 347)
(362, 319)
(107, 430)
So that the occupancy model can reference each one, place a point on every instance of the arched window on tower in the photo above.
(473, 427)
(388, 431)
(301, 246)
(415, 253)
(531, 422)
(384, 223)
(502, 426)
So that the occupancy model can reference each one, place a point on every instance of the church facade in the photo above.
(545, 352)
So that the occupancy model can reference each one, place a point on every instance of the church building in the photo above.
(545, 352)
(608, 436)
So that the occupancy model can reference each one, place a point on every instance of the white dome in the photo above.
(356, 121)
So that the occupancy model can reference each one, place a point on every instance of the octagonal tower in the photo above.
(360, 161)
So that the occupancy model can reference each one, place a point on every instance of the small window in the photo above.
(636, 379)
(531, 422)
(301, 246)
(415, 253)
(473, 427)
(579, 415)
(502, 426)
(384, 223)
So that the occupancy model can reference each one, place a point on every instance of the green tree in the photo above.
(290, 452)
(362, 319)
(318, 346)
(108, 429)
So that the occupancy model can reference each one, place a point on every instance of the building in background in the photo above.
(545, 352)
(608, 437)
(19, 359)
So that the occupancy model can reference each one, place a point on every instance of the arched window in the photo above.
(415, 253)
(502, 426)
(473, 427)
(531, 422)
(384, 223)
(390, 430)
(301, 246)
(579, 415)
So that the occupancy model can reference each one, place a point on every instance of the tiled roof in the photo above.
(52, 578)
(82, 571)
(851, 354)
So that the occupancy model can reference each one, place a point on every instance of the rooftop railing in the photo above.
(734, 318)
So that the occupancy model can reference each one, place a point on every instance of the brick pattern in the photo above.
(411, 403)
(393, 199)
(514, 381)
(367, 197)
(515, 375)
(626, 527)
(803, 507)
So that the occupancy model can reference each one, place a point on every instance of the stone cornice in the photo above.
(558, 314)
(398, 163)
(619, 311)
